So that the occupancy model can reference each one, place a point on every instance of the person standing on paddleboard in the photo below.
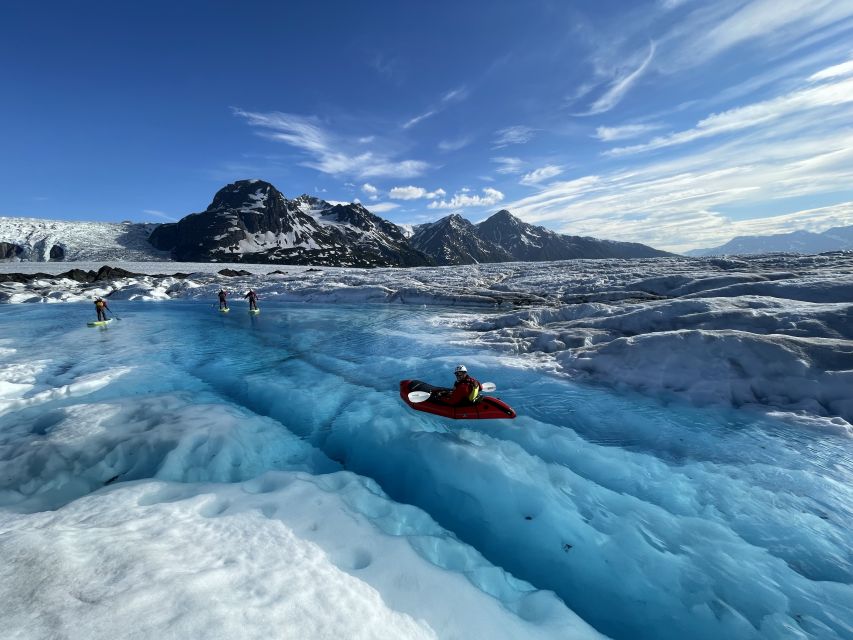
(102, 308)
(466, 390)
(253, 299)
(223, 303)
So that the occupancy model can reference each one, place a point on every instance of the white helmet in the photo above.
(460, 367)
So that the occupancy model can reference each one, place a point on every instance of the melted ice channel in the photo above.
(184, 473)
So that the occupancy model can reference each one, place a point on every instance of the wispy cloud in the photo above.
(454, 95)
(509, 165)
(769, 18)
(680, 203)
(415, 193)
(759, 113)
(454, 144)
(160, 214)
(460, 93)
(715, 28)
(624, 132)
(518, 134)
(620, 86)
(324, 149)
(540, 175)
(461, 200)
(843, 69)
(427, 114)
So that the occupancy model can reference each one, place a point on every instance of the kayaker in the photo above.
(102, 308)
(223, 303)
(466, 390)
(253, 299)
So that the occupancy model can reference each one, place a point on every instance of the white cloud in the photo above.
(620, 86)
(519, 134)
(624, 132)
(415, 193)
(843, 69)
(382, 207)
(489, 198)
(540, 175)
(680, 203)
(830, 94)
(454, 145)
(508, 165)
(366, 139)
(371, 191)
(427, 114)
(305, 134)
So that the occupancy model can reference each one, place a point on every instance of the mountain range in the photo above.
(835, 239)
(253, 222)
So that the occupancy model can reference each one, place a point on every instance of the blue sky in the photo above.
(677, 123)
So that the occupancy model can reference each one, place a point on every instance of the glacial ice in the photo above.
(219, 476)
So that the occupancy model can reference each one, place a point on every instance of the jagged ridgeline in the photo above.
(252, 221)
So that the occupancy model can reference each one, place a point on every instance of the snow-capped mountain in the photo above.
(526, 242)
(504, 238)
(252, 221)
(835, 239)
(40, 240)
(454, 240)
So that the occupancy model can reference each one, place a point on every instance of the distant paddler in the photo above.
(102, 308)
(223, 302)
(253, 300)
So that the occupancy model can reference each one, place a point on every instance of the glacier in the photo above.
(681, 465)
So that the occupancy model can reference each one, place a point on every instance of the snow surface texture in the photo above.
(184, 473)
(773, 331)
(79, 240)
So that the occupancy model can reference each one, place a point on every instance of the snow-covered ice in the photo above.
(185, 473)
(36, 237)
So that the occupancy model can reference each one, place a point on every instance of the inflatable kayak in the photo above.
(487, 408)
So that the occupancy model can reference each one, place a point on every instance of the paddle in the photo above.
(421, 396)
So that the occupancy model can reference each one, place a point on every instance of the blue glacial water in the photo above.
(650, 520)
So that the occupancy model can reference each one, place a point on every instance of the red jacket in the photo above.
(464, 392)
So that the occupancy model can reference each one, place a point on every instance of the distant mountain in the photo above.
(527, 242)
(835, 239)
(504, 238)
(251, 221)
(454, 240)
(39, 240)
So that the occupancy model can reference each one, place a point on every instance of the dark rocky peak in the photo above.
(247, 194)
(453, 221)
(502, 216)
(454, 240)
(502, 221)
(356, 215)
